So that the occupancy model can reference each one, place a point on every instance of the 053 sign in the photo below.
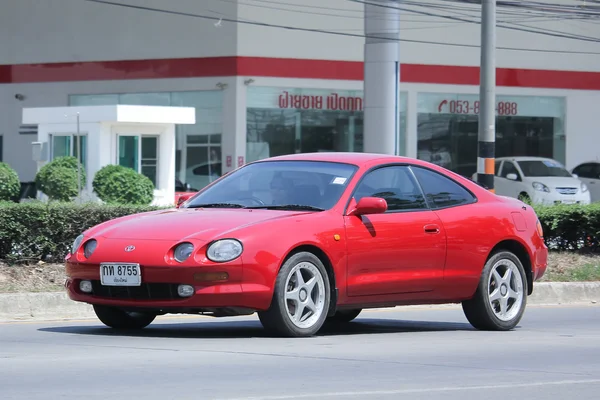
(474, 107)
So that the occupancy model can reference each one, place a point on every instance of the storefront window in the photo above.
(286, 121)
(195, 144)
(447, 129)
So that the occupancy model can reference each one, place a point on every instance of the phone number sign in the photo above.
(474, 107)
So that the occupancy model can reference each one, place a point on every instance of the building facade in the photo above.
(262, 89)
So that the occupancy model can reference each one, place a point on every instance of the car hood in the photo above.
(178, 224)
(557, 181)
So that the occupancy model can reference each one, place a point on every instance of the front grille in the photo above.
(147, 291)
(566, 190)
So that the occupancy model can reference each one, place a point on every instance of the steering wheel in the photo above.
(253, 199)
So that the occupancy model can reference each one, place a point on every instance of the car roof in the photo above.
(345, 157)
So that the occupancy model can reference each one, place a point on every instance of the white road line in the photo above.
(424, 390)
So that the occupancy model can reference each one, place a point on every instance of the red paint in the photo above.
(285, 68)
(468, 107)
(377, 259)
(332, 102)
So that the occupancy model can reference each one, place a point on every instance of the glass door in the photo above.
(128, 152)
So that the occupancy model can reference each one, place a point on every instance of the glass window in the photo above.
(280, 184)
(285, 121)
(509, 168)
(394, 184)
(447, 129)
(150, 158)
(66, 145)
(129, 152)
(543, 168)
(441, 191)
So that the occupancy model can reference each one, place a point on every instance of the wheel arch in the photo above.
(322, 256)
(519, 250)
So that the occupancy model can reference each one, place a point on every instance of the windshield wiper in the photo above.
(287, 207)
(215, 205)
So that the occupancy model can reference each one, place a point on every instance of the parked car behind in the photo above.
(538, 180)
(589, 173)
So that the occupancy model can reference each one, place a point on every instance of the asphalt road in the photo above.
(393, 354)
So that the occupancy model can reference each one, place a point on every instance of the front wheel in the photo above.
(121, 319)
(301, 297)
(501, 298)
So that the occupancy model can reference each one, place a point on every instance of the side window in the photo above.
(584, 171)
(509, 168)
(394, 184)
(441, 191)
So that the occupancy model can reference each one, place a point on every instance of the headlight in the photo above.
(584, 187)
(224, 250)
(540, 187)
(89, 248)
(183, 252)
(76, 244)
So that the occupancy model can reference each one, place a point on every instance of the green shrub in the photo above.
(571, 227)
(35, 231)
(10, 186)
(58, 178)
(115, 184)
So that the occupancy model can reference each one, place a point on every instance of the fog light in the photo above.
(85, 286)
(185, 290)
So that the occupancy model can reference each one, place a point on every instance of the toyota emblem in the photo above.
(130, 248)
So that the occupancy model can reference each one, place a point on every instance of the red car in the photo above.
(305, 239)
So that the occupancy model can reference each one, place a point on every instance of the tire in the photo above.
(120, 319)
(279, 318)
(344, 316)
(479, 310)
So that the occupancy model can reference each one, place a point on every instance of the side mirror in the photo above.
(182, 198)
(369, 205)
(188, 187)
(575, 176)
(512, 177)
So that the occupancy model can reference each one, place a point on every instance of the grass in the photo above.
(42, 277)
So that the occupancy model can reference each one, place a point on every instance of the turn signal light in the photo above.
(540, 231)
(211, 276)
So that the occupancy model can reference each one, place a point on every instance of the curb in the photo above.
(57, 305)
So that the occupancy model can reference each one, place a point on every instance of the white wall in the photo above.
(34, 31)
(343, 16)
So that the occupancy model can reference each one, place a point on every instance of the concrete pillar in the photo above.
(382, 77)
(233, 148)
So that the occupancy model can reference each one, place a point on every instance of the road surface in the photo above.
(416, 354)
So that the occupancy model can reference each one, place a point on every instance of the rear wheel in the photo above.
(501, 298)
(121, 319)
(300, 299)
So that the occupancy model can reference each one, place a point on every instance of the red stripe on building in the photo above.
(285, 68)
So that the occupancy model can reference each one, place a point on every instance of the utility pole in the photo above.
(486, 151)
(77, 145)
(381, 77)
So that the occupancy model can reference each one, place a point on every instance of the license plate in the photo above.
(120, 274)
(568, 201)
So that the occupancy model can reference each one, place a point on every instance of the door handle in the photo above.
(432, 228)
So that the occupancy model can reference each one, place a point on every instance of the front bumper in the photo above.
(158, 289)
(554, 198)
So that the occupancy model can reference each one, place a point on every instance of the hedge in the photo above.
(35, 231)
(115, 184)
(10, 186)
(58, 178)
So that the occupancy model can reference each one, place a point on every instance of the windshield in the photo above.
(543, 168)
(310, 185)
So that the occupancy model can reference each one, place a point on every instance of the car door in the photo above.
(400, 251)
(508, 187)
